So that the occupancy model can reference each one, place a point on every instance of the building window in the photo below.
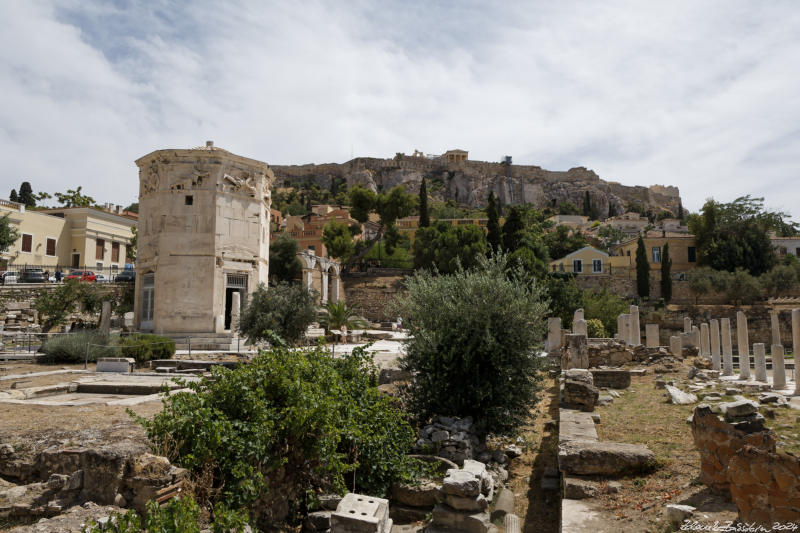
(189, 200)
(114, 252)
(597, 265)
(50, 249)
(577, 266)
(629, 253)
(311, 247)
(27, 243)
(692, 254)
(656, 254)
(100, 249)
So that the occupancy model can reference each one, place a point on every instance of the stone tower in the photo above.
(203, 237)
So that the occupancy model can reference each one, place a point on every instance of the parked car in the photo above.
(32, 275)
(101, 278)
(82, 275)
(9, 277)
(126, 276)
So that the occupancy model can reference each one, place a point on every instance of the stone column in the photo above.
(675, 346)
(776, 327)
(236, 309)
(796, 349)
(576, 352)
(105, 318)
(760, 356)
(620, 327)
(335, 288)
(687, 324)
(309, 279)
(727, 348)
(651, 336)
(577, 315)
(579, 327)
(778, 367)
(744, 345)
(553, 334)
(324, 274)
(716, 362)
(705, 341)
(635, 333)
(624, 328)
(696, 337)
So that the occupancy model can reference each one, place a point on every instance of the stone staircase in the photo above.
(223, 342)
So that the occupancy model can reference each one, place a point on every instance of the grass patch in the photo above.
(787, 427)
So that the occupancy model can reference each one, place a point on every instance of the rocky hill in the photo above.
(469, 182)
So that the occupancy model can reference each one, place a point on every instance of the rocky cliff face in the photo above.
(470, 183)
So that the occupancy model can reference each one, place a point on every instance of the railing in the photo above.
(12, 205)
(109, 272)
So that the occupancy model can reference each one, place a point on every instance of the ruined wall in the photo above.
(370, 294)
(717, 441)
(765, 486)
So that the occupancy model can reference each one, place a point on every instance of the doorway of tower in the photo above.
(234, 283)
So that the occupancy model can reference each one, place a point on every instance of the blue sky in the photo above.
(700, 94)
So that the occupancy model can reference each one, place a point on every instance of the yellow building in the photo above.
(682, 250)
(408, 226)
(587, 261)
(77, 237)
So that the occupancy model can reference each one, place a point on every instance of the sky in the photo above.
(703, 95)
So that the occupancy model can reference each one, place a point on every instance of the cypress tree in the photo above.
(642, 270)
(26, 194)
(587, 205)
(13, 196)
(680, 210)
(424, 219)
(666, 275)
(493, 224)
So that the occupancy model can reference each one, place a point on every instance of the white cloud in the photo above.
(695, 94)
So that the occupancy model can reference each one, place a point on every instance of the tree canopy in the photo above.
(284, 264)
(444, 246)
(338, 240)
(8, 233)
(735, 235)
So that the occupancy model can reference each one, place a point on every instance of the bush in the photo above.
(144, 346)
(604, 306)
(595, 329)
(288, 423)
(71, 347)
(474, 342)
(286, 309)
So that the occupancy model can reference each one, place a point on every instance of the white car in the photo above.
(102, 279)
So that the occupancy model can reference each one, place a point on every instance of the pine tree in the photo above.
(666, 275)
(424, 219)
(642, 270)
(13, 196)
(493, 224)
(26, 194)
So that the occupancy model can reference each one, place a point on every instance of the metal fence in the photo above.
(108, 272)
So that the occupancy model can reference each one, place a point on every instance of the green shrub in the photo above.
(71, 347)
(180, 515)
(595, 329)
(605, 306)
(286, 309)
(473, 348)
(285, 424)
(144, 346)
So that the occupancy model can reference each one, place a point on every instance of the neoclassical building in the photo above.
(203, 237)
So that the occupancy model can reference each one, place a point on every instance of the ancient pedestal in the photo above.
(760, 356)
(579, 327)
(577, 315)
(635, 332)
(796, 349)
(675, 345)
(358, 513)
(705, 341)
(778, 367)
(776, 327)
(651, 336)
(743, 345)
(553, 334)
(727, 348)
(716, 361)
(687, 324)
(576, 352)
(236, 309)
(105, 318)
(696, 336)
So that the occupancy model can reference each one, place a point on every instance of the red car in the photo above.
(82, 275)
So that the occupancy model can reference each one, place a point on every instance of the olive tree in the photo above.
(474, 342)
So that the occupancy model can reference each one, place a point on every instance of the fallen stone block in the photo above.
(463, 521)
(739, 408)
(357, 513)
(603, 458)
(579, 489)
(420, 495)
(676, 514)
(461, 483)
(678, 397)
(612, 379)
(503, 505)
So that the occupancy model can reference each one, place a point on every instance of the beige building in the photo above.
(76, 237)
(786, 245)
(203, 241)
(571, 221)
(455, 156)
(587, 261)
(629, 223)
(682, 250)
